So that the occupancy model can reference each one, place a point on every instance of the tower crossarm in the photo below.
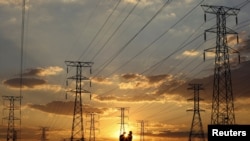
(78, 63)
(212, 9)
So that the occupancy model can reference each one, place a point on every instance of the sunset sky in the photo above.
(145, 55)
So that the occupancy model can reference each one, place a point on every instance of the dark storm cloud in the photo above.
(65, 108)
(26, 82)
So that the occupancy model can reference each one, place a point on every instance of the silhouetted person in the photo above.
(122, 137)
(130, 136)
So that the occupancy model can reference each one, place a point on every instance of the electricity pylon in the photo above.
(44, 135)
(222, 101)
(11, 131)
(92, 128)
(196, 131)
(142, 128)
(122, 116)
(77, 125)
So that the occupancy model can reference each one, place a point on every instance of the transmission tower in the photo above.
(222, 101)
(196, 131)
(92, 127)
(44, 135)
(142, 127)
(122, 116)
(11, 131)
(77, 125)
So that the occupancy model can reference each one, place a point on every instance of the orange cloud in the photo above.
(137, 87)
(135, 81)
(101, 80)
(43, 71)
(190, 53)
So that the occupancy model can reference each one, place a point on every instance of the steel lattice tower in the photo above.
(196, 131)
(142, 127)
(77, 125)
(44, 135)
(11, 131)
(122, 127)
(92, 128)
(222, 101)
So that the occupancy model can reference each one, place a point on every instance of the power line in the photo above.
(157, 64)
(124, 46)
(118, 27)
(21, 61)
(98, 32)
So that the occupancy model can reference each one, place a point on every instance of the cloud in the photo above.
(136, 87)
(32, 79)
(135, 81)
(101, 80)
(159, 130)
(9, 2)
(127, 98)
(53, 70)
(65, 108)
(190, 53)
(131, 1)
(46, 87)
(143, 2)
(26, 82)
(239, 78)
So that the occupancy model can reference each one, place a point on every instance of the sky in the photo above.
(145, 54)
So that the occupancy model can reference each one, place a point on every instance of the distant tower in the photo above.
(122, 123)
(11, 131)
(196, 131)
(77, 125)
(142, 129)
(44, 135)
(222, 101)
(92, 128)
